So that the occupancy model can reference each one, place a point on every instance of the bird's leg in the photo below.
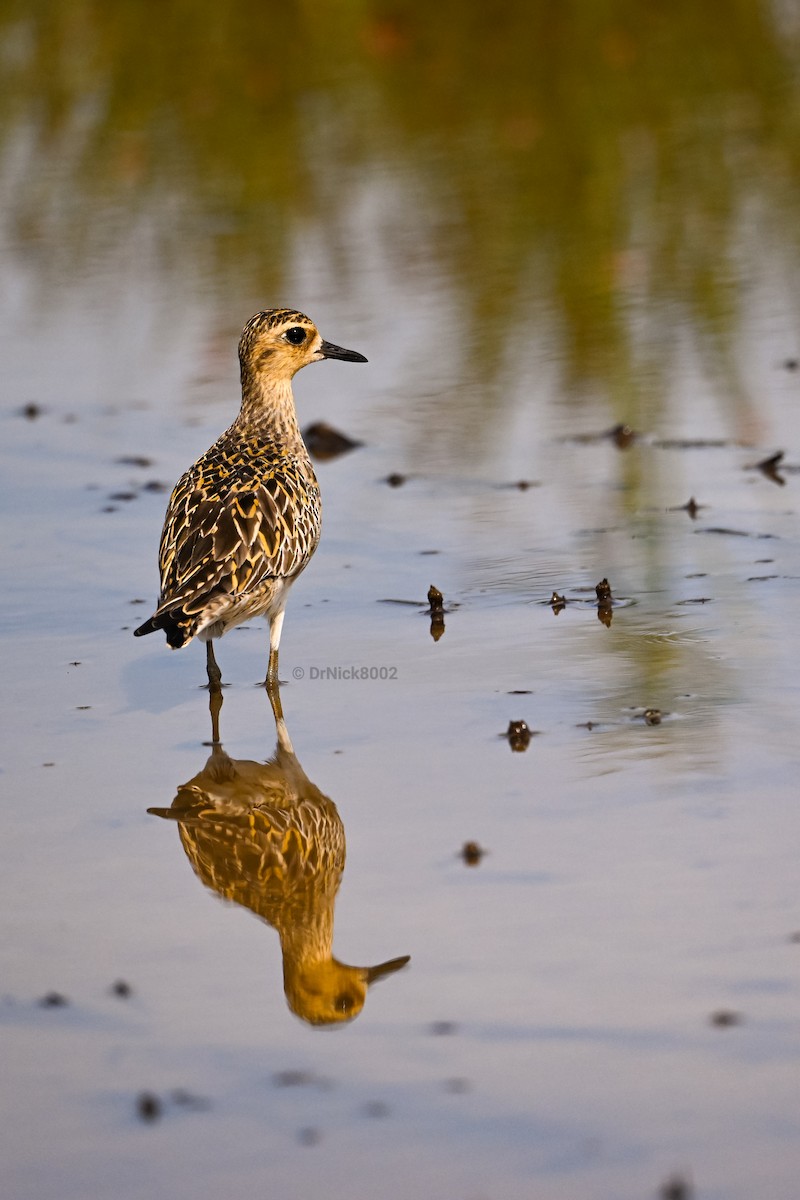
(214, 692)
(212, 669)
(272, 683)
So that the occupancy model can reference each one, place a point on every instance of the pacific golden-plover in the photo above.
(243, 522)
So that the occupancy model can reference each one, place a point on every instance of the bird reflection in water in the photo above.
(263, 836)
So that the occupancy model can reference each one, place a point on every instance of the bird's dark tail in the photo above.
(176, 625)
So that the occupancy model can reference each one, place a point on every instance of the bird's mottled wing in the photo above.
(222, 539)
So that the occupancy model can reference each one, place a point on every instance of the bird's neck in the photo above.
(268, 411)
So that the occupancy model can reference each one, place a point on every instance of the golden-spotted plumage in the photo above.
(263, 836)
(244, 520)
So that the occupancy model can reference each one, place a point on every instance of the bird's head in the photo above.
(275, 344)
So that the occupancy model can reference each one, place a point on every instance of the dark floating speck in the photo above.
(48, 764)
(309, 1136)
(82, 707)
(622, 436)
(518, 735)
(325, 442)
(725, 1018)
(375, 1109)
(770, 467)
(457, 1086)
(443, 1028)
(292, 1078)
(31, 411)
(155, 485)
(691, 507)
(520, 692)
(77, 663)
(472, 853)
(557, 602)
(395, 480)
(523, 485)
(134, 460)
(603, 590)
(604, 602)
(435, 600)
(652, 716)
(122, 496)
(436, 611)
(121, 988)
(53, 999)
(137, 601)
(676, 1188)
(148, 1106)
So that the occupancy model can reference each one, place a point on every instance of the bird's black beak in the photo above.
(328, 350)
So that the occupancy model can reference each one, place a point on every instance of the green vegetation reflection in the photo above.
(610, 171)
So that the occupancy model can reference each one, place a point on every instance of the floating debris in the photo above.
(557, 603)
(325, 442)
(769, 467)
(31, 411)
(121, 988)
(375, 1109)
(790, 364)
(134, 460)
(472, 853)
(652, 716)
(443, 1028)
(436, 610)
(604, 602)
(725, 1018)
(523, 485)
(676, 1188)
(297, 1078)
(395, 480)
(457, 1087)
(53, 999)
(310, 1136)
(148, 1106)
(622, 436)
(518, 735)
(435, 600)
(691, 507)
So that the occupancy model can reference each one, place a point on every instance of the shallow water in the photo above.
(608, 999)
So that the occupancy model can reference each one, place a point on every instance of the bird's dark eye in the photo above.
(295, 335)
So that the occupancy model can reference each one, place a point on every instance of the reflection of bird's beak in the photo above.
(328, 350)
(387, 968)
